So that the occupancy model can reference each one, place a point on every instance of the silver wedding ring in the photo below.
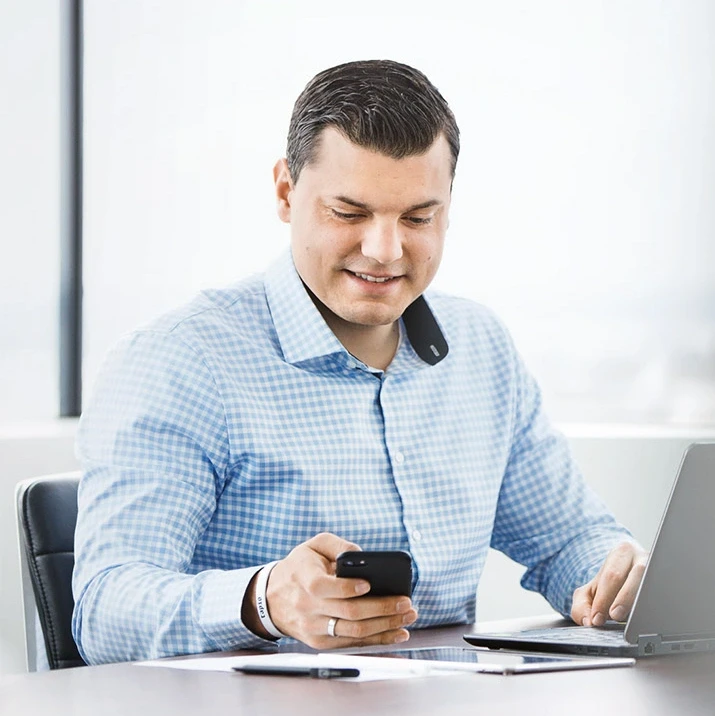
(331, 626)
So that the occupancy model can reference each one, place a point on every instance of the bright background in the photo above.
(582, 210)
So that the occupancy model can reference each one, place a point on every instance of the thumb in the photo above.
(330, 545)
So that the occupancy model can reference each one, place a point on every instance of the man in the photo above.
(236, 446)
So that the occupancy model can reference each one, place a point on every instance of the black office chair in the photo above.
(47, 515)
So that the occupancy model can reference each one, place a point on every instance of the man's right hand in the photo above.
(303, 594)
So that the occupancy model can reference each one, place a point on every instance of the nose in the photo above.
(382, 242)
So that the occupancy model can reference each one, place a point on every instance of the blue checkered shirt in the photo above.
(235, 428)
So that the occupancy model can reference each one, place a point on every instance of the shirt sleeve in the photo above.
(154, 446)
(547, 517)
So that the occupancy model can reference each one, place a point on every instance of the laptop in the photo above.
(673, 611)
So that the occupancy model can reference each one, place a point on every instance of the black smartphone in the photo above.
(389, 573)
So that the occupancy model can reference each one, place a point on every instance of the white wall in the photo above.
(631, 468)
(580, 211)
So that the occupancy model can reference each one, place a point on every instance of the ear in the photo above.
(284, 188)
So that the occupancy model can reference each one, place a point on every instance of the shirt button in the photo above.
(416, 535)
(399, 458)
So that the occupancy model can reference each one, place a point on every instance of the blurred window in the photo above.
(29, 210)
(582, 208)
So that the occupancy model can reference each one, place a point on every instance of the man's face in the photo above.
(367, 230)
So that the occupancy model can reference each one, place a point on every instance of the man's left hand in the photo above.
(610, 594)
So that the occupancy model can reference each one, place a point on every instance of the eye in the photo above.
(346, 216)
(418, 220)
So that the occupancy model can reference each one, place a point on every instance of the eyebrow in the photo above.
(360, 205)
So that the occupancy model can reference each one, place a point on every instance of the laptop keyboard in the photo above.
(577, 634)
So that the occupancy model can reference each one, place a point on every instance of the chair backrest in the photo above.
(47, 515)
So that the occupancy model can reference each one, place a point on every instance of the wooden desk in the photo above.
(654, 687)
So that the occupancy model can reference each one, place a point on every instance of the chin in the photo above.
(371, 319)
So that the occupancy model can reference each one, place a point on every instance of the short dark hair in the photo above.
(382, 105)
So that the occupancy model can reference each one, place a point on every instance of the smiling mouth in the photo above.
(373, 279)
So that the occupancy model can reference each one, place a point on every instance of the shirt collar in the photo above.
(304, 334)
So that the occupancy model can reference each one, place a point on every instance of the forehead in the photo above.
(341, 167)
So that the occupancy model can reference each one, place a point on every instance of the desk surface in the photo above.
(655, 686)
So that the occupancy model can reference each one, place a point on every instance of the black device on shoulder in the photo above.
(389, 573)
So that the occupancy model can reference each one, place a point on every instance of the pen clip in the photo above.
(327, 672)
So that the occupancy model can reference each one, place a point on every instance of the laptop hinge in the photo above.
(649, 643)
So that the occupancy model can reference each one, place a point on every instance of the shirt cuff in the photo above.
(218, 609)
(586, 563)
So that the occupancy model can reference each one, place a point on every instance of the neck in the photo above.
(373, 345)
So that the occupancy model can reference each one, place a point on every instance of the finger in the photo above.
(582, 600)
(582, 603)
(363, 620)
(324, 585)
(623, 602)
(327, 586)
(367, 607)
(610, 581)
(367, 628)
(357, 621)
(323, 642)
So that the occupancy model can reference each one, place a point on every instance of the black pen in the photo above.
(320, 672)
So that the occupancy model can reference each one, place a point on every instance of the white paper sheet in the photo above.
(372, 668)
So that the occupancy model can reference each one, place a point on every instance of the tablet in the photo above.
(501, 662)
